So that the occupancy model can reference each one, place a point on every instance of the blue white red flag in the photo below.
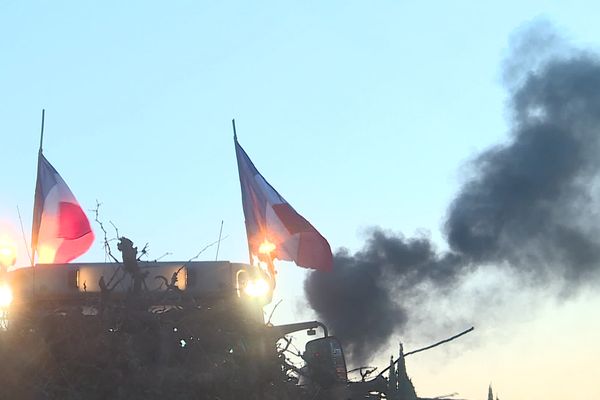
(273, 226)
(61, 230)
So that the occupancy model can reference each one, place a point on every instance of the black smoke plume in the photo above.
(530, 207)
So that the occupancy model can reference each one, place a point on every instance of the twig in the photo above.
(175, 275)
(363, 375)
(113, 275)
(174, 278)
(116, 229)
(287, 345)
(118, 281)
(143, 252)
(359, 368)
(107, 249)
(24, 237)
(273, 311)
(219, 245)
(440, 342)
(207, 247)
(168, 253)
(427, 348)
(446, 396)
(165, 280)
(368, 371)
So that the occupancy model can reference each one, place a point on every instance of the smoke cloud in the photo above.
(529, 208)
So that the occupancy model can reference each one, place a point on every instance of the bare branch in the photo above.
(143, 252)
(116, 229)
(165, 282)
(207, 247)
(288, 343)
(107, 248)
(273, 311)
(429, 347)
(123, 276)
(440, 342)
(171, 286)
(175, 275)
(168, 253)
(24, 237)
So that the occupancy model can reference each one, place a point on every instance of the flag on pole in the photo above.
(61, 230)
(273, 227)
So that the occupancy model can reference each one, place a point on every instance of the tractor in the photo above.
(192, 329)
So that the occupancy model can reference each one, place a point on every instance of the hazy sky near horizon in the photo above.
(360, 114)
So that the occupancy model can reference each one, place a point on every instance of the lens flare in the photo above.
(46, 254)
(266, 247)
(6, 296)
(8, 253)
(257, 288)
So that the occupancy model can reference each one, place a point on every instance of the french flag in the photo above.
(61, 230)
(272, 223)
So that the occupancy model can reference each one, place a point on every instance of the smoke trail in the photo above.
(530, 207)
(358, 300)
(532, 203)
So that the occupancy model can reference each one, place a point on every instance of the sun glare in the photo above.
(6, 296)
(46, 254)
(8, 253)
(257, 288)
(266, 247)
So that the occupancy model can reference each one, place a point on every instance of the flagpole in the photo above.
(238, 162)
(42, 130)
(219, 242)
(34, 248)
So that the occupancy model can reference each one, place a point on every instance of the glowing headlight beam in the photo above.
(6, 296)
(8, 254)
(257, 288)
(266, 247)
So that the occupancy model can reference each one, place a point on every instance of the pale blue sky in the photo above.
(359, 113)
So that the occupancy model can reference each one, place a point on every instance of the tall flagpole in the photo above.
(219, 242)
(42, 130)
(238, 164)
(34, 246)
(270, 265)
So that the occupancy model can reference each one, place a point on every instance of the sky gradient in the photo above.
(359, 115)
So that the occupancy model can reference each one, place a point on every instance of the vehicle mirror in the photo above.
(325, 359)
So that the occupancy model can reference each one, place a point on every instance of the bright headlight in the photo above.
(257, 288)
(6, 296)
(8, 254)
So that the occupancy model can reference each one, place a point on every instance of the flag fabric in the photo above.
(272, 221)
(61, 230)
